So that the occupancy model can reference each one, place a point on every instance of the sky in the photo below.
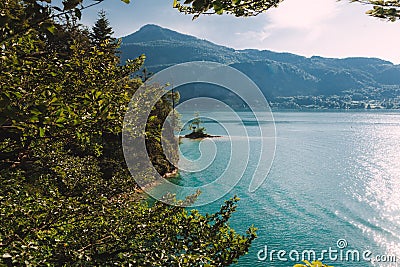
(325, 28)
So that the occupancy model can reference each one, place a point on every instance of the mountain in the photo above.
(164, 47)
(277, 74)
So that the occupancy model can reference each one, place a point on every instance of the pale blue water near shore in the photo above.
(336, 175)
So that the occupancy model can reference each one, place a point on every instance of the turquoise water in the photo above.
(336, 175)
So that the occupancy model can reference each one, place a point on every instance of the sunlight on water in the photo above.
(380, 159)
(335, 176)
(374, 179)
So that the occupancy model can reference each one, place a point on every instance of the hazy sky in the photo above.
(308, 27)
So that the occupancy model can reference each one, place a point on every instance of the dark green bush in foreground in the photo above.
(66, 196)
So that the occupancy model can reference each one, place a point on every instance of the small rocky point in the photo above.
(199, 135)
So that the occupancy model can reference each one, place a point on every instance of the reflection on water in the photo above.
(379, 175)
(335, 176)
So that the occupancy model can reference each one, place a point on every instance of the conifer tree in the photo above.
(102, 31)
(67, 197)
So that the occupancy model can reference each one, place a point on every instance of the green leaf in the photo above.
(219, 11)
(17, 94)
(41, 132)
(152, 118)
(126, 1)
(34, 119)
(52, 29)
(35, 111)
(61, 120)
(97, 94)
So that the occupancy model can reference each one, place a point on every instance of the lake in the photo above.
(334, 185)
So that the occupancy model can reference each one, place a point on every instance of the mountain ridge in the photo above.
(148, 33)
(278, 74)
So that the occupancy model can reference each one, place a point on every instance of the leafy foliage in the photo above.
(66, 195)
(313, 264)
(384, 9)
(194, 125)
(239, 8)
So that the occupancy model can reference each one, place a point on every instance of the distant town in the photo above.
(332, 102)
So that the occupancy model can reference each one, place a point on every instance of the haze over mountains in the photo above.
(277, 74)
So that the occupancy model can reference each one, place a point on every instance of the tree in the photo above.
(67, 197)
(40, 14)
(101, 31)
(384, 9)
(239, 8)
(195, 124)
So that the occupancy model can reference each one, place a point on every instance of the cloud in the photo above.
(294, 21)
(306, 27)
(305, 14)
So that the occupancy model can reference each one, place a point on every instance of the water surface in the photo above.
(336, 175)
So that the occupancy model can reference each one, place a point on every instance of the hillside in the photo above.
(279, 75)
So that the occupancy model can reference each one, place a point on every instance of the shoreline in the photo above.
(142, 189)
